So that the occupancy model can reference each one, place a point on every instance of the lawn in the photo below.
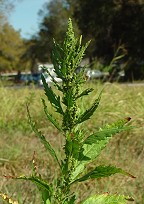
(18, 142)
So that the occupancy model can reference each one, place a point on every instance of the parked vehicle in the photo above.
(49, 79)
(96, 74)
(28, 79)
(48, 67)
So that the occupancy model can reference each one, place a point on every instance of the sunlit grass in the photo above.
(18, 142)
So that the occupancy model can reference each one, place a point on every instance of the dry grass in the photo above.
(18, 142)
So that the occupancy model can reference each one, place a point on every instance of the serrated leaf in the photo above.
(103, 171)
(85, 92)
(42, 138)
(57, 58)
(95, 143)
(72, 148)
(53, 99)
(50, 117)
(39, 182)
(107, 199)
(68, 99)
(88, 113)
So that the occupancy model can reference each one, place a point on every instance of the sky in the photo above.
(25, 17)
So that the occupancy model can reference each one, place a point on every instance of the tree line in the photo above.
(115, 27)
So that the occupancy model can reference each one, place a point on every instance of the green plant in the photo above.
(79, 149)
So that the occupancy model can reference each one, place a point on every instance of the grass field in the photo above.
(18, 142)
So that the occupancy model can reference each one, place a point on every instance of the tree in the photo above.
(33, 53)
(6, 7)
(94, 20)
(128, 27)
(11, 49)
(54, 16)
(109, 23)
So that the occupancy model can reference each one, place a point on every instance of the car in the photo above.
(29, 78)
(48, 79)
(48, 70)
(96, 74)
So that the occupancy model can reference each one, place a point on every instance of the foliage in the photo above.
(110, 23)
(12, 45)
(11, 49)
(80, 149)
(53, 23)
(6, 7)
(32, 54)
(105, 198)
(18, 141)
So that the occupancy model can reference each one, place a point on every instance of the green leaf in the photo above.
(72, 148)
(53, 99)
(50, 117)
(44, 188)
(57, 58)
(68, 99)
(88, 113)
(95, 143)
(107, 199)
(103, 171)
(45, 196)
(39, 182)
(48, 201)
(42, 138)
(85, 92)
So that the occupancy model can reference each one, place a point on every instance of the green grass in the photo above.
(18, 142)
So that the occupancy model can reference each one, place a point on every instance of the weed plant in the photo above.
(80, 148)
